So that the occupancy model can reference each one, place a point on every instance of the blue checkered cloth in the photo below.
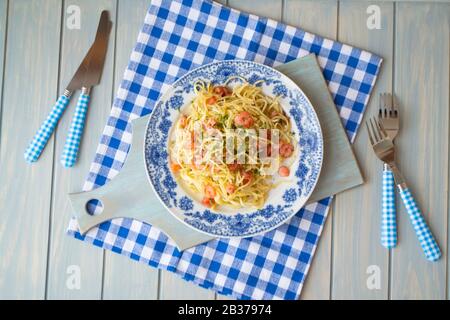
(178, 36)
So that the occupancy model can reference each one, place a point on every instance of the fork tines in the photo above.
(376, 130)
(388, 106)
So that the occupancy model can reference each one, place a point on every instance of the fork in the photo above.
(385, 151)
(388, 116)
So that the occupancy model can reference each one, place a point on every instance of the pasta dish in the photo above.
(225, 144)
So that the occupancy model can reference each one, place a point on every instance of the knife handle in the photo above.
(388, 217)
(44, 133)
(426, 239)
(70, 152)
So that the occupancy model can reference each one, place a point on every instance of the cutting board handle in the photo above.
(122, 196)
(118, 199)
(130, 195)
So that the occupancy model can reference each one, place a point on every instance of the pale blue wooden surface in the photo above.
(141, 281)
(421, 81)
(63, 251)
(29, 90)
(356, 211)
(298, 13)
(38, 54)
(3, 22)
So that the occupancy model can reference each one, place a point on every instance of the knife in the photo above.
(87, 75)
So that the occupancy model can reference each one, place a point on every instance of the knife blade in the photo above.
(90, 70)
(88, 74)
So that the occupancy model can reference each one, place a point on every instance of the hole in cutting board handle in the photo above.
(94, 207)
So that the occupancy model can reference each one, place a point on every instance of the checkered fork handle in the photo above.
(389, 215)
(427, 241)
(44, 133)
(70, 152)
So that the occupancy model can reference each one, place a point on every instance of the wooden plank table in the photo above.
(38, 54)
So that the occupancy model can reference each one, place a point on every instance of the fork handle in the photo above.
(389, 216)
(427, 241)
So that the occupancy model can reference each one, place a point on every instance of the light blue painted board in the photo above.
(304, 14)
(171, 286)
(25, 282)
(31, 74)
(422, 85)
(218, 296)
(339, 160)
(3, 25)
(141, 281)
(357, 215)
(268, 8)
(67, 253)
(265, 8)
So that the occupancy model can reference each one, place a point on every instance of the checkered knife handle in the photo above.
(389, 215)
(427, 241)
(70, 152)
(44, 133)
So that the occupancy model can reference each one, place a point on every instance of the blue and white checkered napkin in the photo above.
(178, 36)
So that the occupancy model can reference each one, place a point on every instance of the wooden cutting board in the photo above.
(130, 195)
(340, 170)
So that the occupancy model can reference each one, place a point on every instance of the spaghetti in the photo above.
(233, 176)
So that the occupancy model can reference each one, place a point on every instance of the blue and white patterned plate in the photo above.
(283, 201)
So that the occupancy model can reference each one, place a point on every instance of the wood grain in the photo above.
(141, 281)
(265, 8)
(357, 215)
(31, 75)
(218, 296)
(64, 250)
(32, 211)
(422, 85)
(171, 286)
(304, 14)
(3, 26)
